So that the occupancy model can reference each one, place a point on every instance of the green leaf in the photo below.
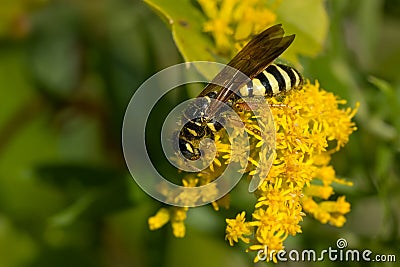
(71, 213)
(309, 21)
(382, 85)
(186, 21)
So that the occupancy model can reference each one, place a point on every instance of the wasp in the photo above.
(267, 79)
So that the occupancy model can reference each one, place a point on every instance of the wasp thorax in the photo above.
(195, 129)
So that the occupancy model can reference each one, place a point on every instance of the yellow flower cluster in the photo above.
(232, 22)
(175, 215)
(309, 127)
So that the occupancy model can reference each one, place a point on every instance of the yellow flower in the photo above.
(232, 22)
(176, 215)
(178, 228)
(177, 221)
(307, 123)
(328, 211)
(270, 237)
(309, 127)
(238, 229)
(323, 192)
(159, 220)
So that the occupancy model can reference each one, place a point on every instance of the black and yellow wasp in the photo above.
(266, 79)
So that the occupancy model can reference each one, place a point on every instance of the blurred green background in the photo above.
(67, 72)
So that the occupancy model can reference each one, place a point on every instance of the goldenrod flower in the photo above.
(232, 22)
(310, 126)
(158, 220)
(238, 229)
(175, 215)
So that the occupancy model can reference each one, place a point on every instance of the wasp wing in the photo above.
(255, 56)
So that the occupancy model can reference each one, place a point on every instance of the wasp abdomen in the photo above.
(275, 79)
